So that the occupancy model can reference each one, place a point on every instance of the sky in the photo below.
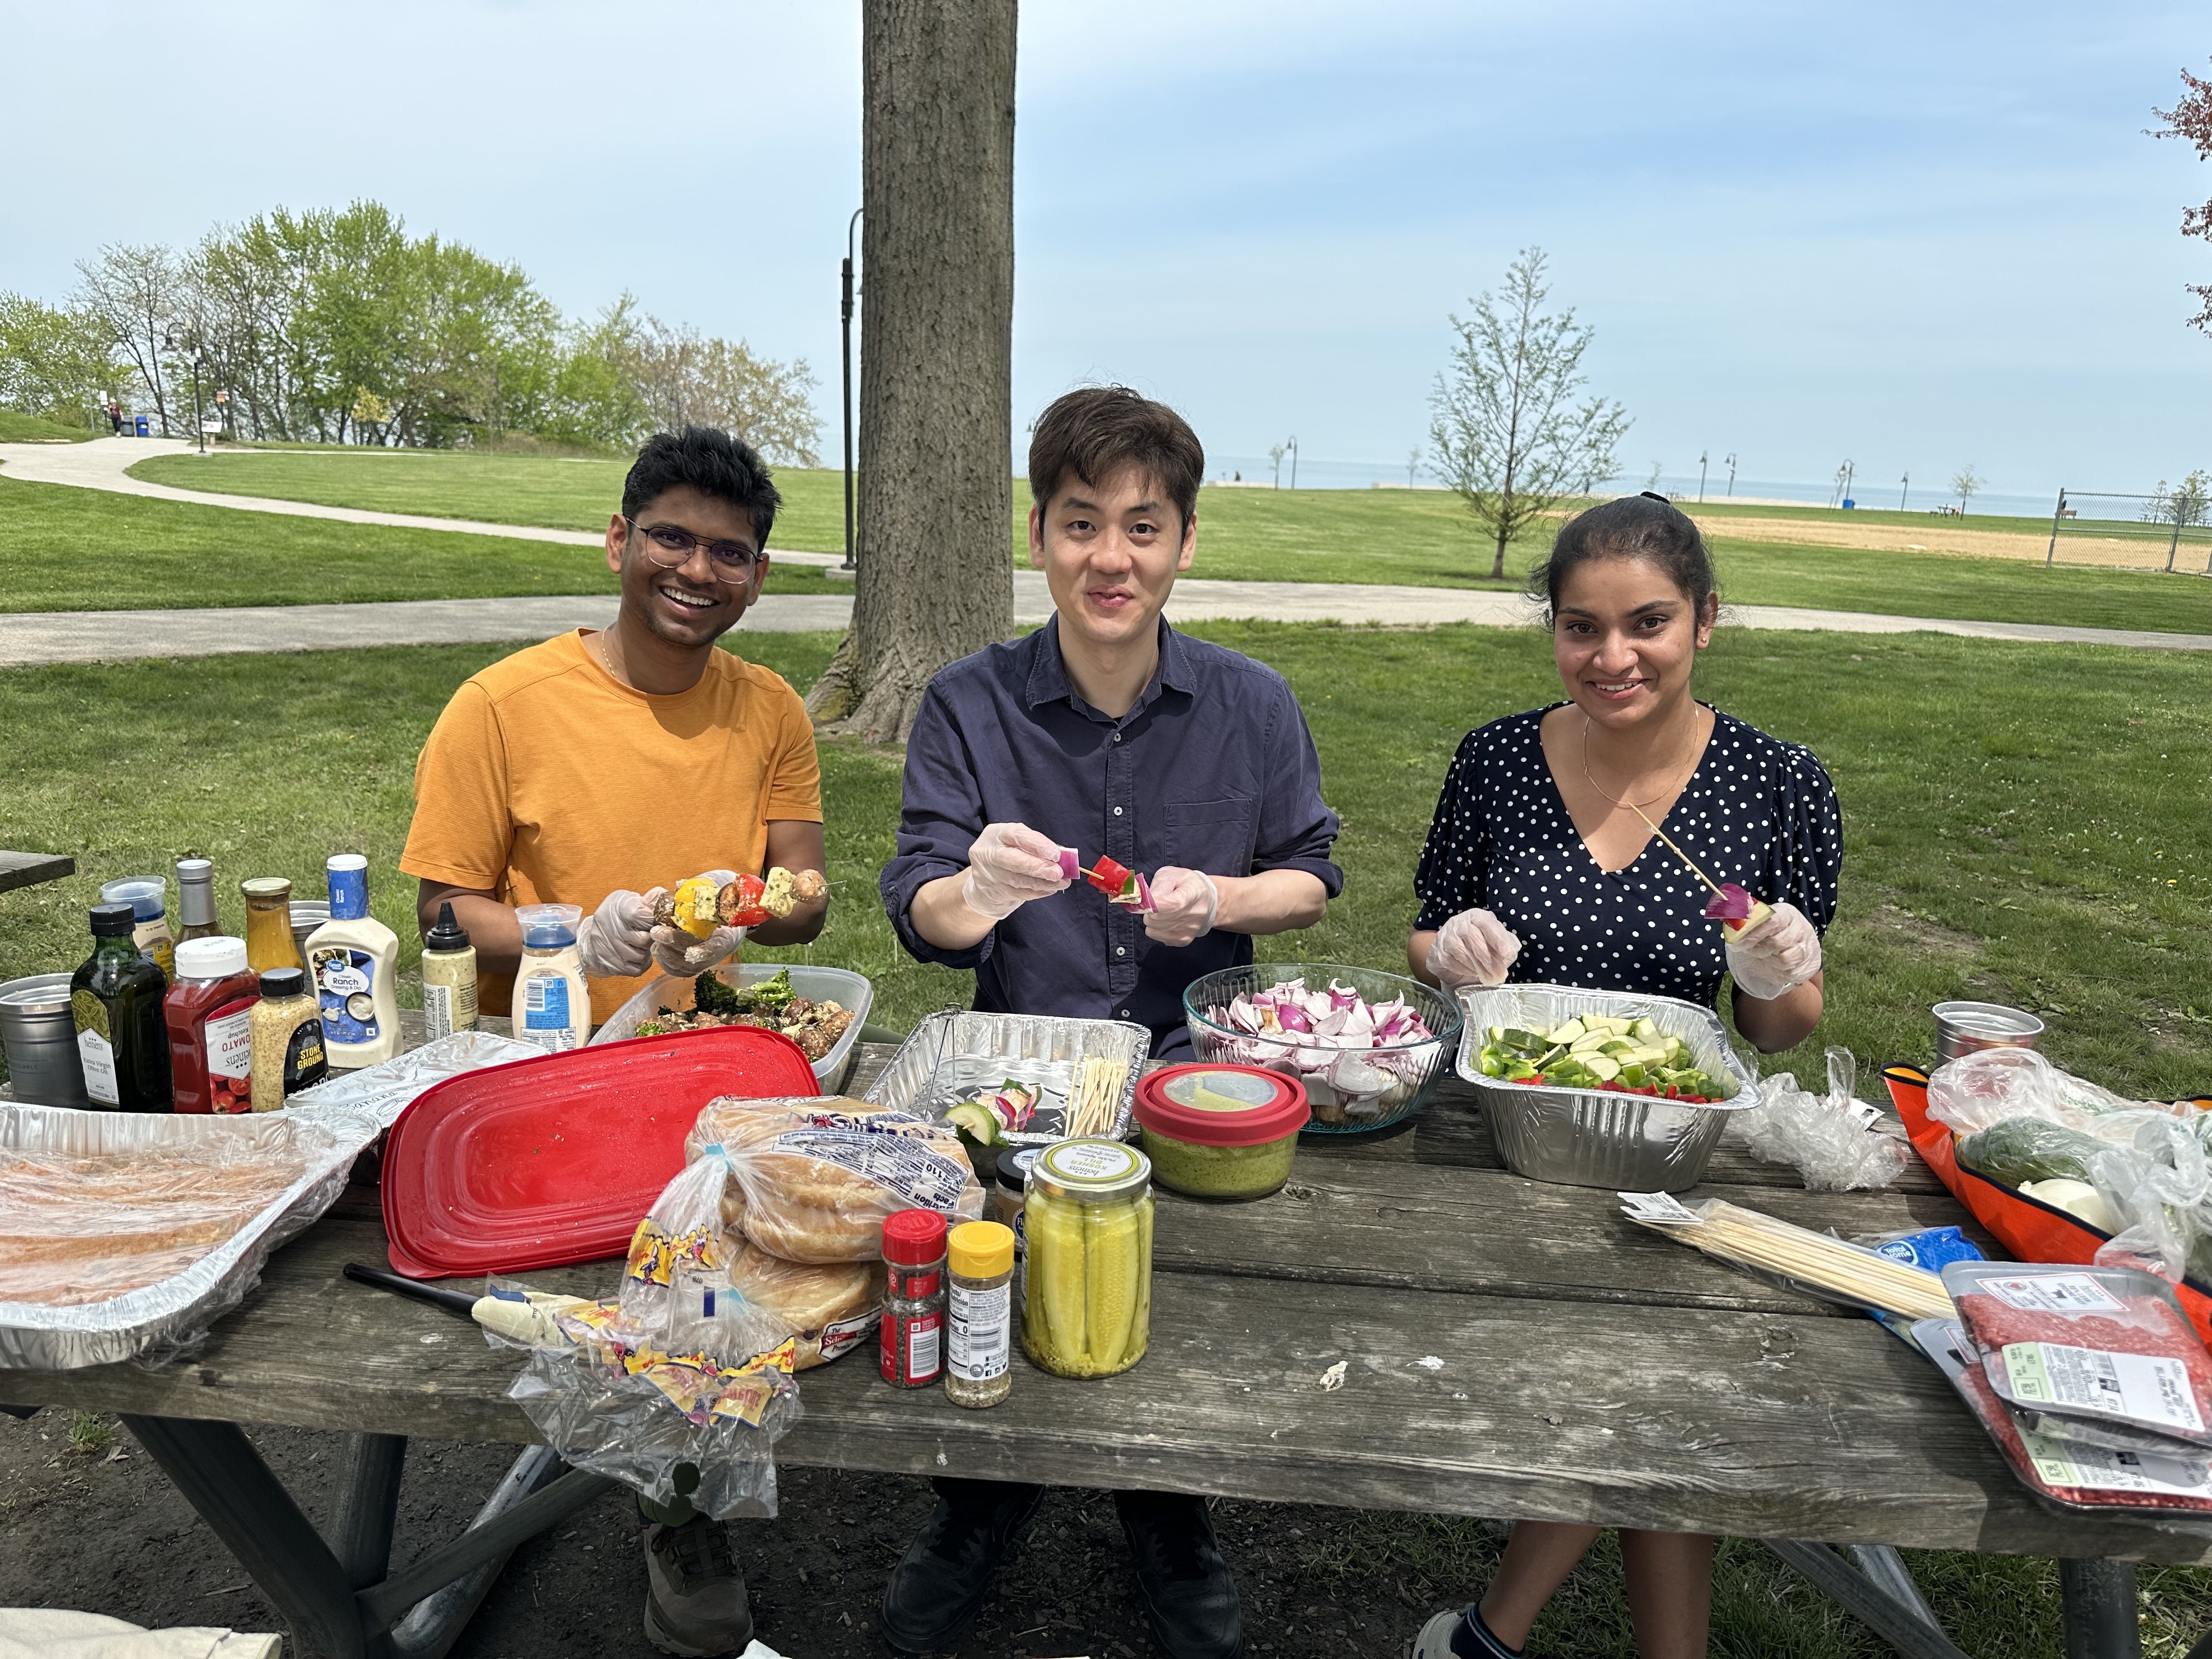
(1916, 237)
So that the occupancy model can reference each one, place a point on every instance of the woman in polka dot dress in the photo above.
(1542, 868)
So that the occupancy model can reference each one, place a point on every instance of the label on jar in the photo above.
(98, 1060)
(448, 1009)
(304, 1063)
(982, 1337)
(911, 1347)
(546, 1018)
(346, 979)
(226, 1040)
(153, 943)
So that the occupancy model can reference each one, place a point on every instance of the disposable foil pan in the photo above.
(1595, 1137)
(162, 1320)
(388, 1087)
(961, 1050)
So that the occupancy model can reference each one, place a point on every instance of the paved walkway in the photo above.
(109, 635)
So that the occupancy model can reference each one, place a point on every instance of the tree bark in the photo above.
(934, 581)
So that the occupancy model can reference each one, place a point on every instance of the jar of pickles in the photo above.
(1087, 1224)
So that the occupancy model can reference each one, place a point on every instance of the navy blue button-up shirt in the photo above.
(1213, 770)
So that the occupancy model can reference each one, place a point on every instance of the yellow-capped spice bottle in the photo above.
(1087, 1224)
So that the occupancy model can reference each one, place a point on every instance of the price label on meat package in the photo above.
(926, 1180)
(2139, 1387)
(2104, 1468)
(2059, 1293)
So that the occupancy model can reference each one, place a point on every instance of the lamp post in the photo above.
(1905, 489)
(191, 344)
(1701, 475)
(845, 318)
(1293, 447)
(1731, 467)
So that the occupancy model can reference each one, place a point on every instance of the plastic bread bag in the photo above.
(2074, 1474)
(2107, 1345)
(1836, 1141)
(812, 1179)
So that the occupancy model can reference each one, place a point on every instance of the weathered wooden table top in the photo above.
(1513, 1350)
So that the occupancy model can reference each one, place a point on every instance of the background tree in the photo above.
(936, 487)
(1506, 431)
(2190, 119)
(55, 363)
(2184, 505)
(1964, 483)
(135, 294)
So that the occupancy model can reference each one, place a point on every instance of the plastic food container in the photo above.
(1220, 1131)
(1412, 1070)
(1593, 1137)
(846, 989)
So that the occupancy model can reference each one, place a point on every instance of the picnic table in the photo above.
(29, 869)
(1512, 1349)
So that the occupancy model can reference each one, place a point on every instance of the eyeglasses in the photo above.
(732, 562)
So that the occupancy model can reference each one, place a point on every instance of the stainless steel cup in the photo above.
(307, 915)
(1963, 1027)
(40, 1040)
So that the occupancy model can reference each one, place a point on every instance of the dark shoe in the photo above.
(695, 1596)
(1189, 1597)
(1461, 1636)
(937, 1587)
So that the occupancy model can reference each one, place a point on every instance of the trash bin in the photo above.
(144, 430)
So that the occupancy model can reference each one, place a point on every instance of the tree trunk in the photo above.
(936, 488)
(1497, 564)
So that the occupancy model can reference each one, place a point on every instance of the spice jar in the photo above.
(1087, 1302)
(913, 1303)
(209, 1011)
(287, 1028)
(979, 1314)
(269, 941)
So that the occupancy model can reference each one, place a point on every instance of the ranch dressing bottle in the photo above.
(352, 958)
(552, 1006)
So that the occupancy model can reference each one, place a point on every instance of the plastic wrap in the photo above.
(1976, 1091)
(2157, 1185)
(385, 1090)
(1835, 1141)
(260, 1180)
(950, 1055)
(813, 1180)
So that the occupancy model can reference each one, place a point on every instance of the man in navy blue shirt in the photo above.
(1108, 731)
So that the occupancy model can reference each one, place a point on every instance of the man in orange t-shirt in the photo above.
(599, 768)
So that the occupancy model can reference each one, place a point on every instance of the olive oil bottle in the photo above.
(115, 1000)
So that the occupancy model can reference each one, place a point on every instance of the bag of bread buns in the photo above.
(832, 1306)
(811, 1179)
(676, 1284)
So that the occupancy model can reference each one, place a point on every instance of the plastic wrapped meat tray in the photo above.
(160, 1320)
(954, 1053)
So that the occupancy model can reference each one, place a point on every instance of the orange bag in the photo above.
(2031, 1230)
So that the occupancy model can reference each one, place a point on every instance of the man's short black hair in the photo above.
(712, 463)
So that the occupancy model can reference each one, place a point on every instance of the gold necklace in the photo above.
(1636, 807)
(608, 662)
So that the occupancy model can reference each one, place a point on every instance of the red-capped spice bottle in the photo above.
(208, 1013)
(913, 1309)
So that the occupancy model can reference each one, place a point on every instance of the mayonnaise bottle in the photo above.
(353, 960)
(552, 1006)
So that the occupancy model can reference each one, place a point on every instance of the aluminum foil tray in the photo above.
(160, 1321)
(960, 1050)
(1594, 1137)
(388, 1087)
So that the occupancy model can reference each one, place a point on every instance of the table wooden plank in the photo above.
(29, 869)
(1747, 1424)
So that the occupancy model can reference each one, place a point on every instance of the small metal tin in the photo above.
(1963, 1028)
(39, 1035)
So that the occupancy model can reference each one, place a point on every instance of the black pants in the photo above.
(1159, 1508)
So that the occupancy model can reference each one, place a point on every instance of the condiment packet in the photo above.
(2105, 1345)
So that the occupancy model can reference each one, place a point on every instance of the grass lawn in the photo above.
(1417, 538)
(17, 428)
(66, 549)
(2024, 824)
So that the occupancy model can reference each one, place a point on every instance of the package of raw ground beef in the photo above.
(2107, 1345)
(2075, 1477)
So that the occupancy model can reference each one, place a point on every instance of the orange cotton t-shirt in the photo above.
(547, 781)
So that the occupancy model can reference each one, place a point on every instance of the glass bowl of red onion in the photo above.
(1369, 1046)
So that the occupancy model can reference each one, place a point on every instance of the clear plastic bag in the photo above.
(2157, 1183)
(1986, 1087)
(1836, 1141)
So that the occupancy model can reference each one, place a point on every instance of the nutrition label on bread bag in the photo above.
(926, 1180)
(2144, 1388)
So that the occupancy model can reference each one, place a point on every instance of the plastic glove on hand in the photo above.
(1473, 948)
(1776, 956)
(1184, 904)
(616, 941)
(1010, 865)
(685, 957)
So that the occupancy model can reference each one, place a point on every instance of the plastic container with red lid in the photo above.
(1215, 1131)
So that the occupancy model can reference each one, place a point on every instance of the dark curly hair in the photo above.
(1646, 526)
(712, 463)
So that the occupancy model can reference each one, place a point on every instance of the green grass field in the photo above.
(66, 549)
(16, 428)
(1417, 538)
(2023, 823)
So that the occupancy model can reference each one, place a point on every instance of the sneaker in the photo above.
(937, 1587)
(1189, 1597)
(695, 1596)
(1460, 1636)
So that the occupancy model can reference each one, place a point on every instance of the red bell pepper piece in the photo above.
(1108, 877)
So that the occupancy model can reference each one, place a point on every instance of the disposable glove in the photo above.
(1779, 955)
(1010, 865)
(616, 941)
(1473, 948)
(686, 955)
(1184, 904)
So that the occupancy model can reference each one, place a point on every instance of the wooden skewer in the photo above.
(1675, 850)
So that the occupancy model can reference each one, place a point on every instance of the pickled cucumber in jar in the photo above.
(1087, 1222)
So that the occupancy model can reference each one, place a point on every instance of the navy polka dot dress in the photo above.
(1757, 812)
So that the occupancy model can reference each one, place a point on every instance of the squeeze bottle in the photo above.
(449, 978)
(352, 959)
(552, 1004)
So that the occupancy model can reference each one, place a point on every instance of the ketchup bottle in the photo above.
(211, 1037)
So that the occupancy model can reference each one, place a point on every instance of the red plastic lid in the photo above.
(554, 1160)
(1213, 1105)
(914, 1238)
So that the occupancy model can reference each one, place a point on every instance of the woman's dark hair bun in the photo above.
(1645, 526)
